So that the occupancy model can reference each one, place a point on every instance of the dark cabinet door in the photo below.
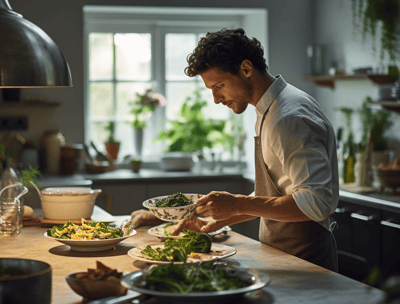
(342, 232)
(366, 234)
(390, 225)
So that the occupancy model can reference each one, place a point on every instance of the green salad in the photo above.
(174, 200)
(178, 249)
(87, 231)
(186, 278)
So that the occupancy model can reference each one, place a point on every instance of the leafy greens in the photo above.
(186, 278)
(178, 249)
(174, 200)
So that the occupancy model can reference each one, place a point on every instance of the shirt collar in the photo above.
(270, 94)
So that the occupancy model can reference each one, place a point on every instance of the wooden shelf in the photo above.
(329, 81)
(36, 104)
(391, 105)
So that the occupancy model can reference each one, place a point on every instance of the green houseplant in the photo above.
(141, 109)
(191, 131)
(367, 15)
(378, 122)
(111, 145)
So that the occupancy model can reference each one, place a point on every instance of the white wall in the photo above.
(289, 32)
(334, 27)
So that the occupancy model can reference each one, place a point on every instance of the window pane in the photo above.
(176, 95)
(216, 111)
(126, 92)
(100, 56)
(175, 98)
(101, 100)
(133, 56)
(99, 135)
(177, 47)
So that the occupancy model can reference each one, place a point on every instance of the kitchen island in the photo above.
(293, 280)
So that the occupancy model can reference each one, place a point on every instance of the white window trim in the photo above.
(253, 21)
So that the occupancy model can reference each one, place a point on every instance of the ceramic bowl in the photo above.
(172, 214)
(68, 203)
(95, 289)
(387, 178)
(25, 281)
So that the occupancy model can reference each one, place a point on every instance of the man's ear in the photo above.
(246, 68)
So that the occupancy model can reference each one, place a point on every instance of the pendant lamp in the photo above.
(29, 58)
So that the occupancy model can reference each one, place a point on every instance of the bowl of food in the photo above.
(68, 203)
(90, 236)
(25, 281)
(97, 283)
(175, 207)
(388, 174)
(186, 283)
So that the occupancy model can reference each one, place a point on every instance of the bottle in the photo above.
(349, 160)
(52, 142)
(29, 155)
(10, 177)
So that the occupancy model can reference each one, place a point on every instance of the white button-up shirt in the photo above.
(299, 149)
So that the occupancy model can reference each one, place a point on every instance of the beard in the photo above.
(244, 98)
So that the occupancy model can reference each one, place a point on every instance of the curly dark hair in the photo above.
(226, 50)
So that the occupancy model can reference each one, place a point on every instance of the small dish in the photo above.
(218, 251)
(172, 214)
(92, 245)
(95, 289)
(158, 231)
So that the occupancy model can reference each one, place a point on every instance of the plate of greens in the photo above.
(212, 282)
(163, 231)
(90, 236)
(175, 207)
(191, 248)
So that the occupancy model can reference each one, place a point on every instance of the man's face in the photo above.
(233, 91)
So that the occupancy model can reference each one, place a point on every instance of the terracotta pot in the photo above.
(112, 149)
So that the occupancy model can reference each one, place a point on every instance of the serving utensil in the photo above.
(116, 300)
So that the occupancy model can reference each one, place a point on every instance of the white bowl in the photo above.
(176, 161)
(68, 203)
(172, 214)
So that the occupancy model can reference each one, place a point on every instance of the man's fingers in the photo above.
(202, 200)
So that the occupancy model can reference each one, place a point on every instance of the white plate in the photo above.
(92, 245)
(158, 231)
(218, 251)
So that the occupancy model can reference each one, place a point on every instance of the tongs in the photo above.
(138, 297)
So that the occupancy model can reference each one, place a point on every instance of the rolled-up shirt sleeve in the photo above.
(301, 146)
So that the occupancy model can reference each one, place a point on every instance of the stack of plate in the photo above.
(385, 91)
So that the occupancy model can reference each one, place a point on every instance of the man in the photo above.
(296, 183)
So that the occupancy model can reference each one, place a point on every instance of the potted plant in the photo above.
(135, 164)
(141, 109)
(190, 132)
(367, 16)
(376, 122)
(111, 145)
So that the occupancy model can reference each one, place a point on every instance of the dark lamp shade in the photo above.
(28, 56)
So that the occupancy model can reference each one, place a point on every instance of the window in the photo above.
(130, 49)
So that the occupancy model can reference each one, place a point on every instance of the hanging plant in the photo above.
(366, 17)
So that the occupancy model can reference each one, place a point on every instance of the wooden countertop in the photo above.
(292, 280)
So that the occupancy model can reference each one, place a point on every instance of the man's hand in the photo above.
(144, 218)
(218, 205)
(195, 224)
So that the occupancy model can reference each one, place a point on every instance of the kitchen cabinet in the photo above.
(390, 226)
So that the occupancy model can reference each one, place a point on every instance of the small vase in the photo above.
(135, 166)
(138, 142)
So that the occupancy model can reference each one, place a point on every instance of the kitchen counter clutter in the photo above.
(292, 280)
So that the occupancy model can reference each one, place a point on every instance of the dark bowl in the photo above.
(24, 281)
(95, 289)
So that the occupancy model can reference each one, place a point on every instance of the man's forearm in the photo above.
(275, 208)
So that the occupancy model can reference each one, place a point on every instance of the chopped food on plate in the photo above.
(174, 200)
(178, 249)
(87, 231)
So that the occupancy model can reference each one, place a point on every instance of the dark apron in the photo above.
(307, 240)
